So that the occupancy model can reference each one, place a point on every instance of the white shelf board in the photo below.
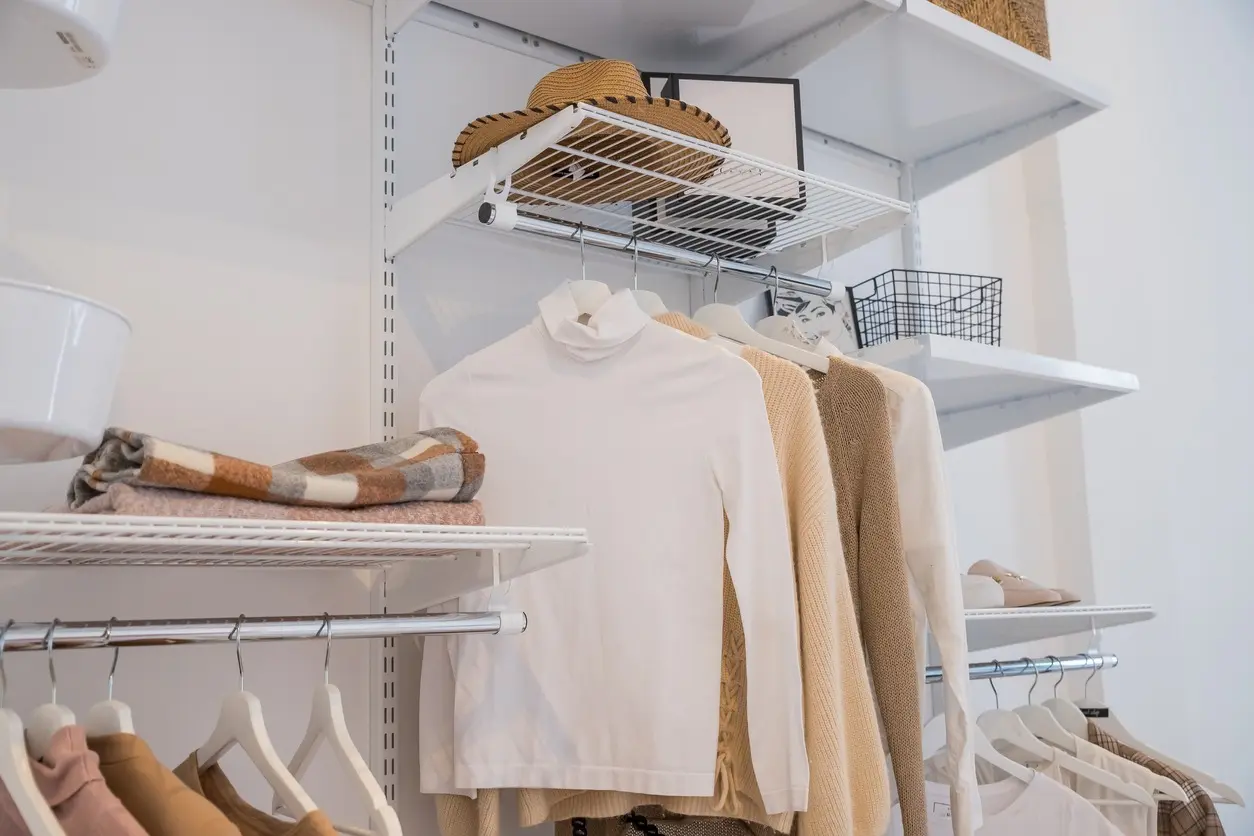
(925, 87)
(989, 629)
(703, 36)
(441, 561)
(984, 390)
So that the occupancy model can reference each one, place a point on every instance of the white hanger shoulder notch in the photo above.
(50, 717)
(726, 321)
(240, 723)
(15, 770)
(646, 300)
(934, 742)
(328, 724)
(110, 716)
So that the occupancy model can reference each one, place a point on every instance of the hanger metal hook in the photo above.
(4, 678)
(113, 669)
(996, 673)
(1101, 663)
(239, 655)
(635, 261)
(774, 272)
(1036, 675)
(583, 265)
(326, 660)
(1062, 673)
(718, 274)
(52, 666)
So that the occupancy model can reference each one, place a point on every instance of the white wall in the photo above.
(213, 184)
(1155, 194)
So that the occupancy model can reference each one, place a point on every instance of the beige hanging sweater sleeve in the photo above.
(854, 410)
(848, 778)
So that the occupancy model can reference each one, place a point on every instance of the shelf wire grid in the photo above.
(628, 178)
(83, 540)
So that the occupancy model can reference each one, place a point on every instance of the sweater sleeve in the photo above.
(848, 777)
(760, 561)
(884, 589)
(927, 531)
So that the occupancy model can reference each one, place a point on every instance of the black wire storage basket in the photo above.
(906, 303)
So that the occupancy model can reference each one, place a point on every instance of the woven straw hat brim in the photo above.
(604, 182)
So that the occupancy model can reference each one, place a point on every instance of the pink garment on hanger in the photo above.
(70, 780)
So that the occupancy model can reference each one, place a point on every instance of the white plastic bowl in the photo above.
(60, 355)
(50, 43)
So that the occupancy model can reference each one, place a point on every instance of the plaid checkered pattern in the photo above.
(1196, 817)
(432, 465)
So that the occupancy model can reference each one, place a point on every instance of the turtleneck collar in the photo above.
(607, 331)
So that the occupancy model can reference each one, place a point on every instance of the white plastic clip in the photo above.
(496, 210)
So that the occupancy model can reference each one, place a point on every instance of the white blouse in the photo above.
(645, 437)
(1042, 807)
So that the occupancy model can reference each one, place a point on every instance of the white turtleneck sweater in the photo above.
(645, 437)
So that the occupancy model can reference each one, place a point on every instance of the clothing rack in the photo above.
(100, 634)
(676, 257)
(1030, 667)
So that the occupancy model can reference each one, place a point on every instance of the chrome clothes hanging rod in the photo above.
(99, 634)
(677, 257)
(1027, 667)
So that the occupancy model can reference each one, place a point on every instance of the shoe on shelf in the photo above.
(981, 593)
(1018, 590)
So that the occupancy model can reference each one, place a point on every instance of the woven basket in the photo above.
(1020, 21)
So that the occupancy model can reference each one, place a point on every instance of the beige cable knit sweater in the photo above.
(848, 779)
(854, 410)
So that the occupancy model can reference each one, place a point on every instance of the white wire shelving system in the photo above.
(915, 64)
(815, 220)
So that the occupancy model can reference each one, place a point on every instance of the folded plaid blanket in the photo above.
(433, 465)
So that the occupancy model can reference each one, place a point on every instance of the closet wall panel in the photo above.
(213, 184)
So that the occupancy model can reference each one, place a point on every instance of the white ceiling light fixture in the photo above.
(52, 43)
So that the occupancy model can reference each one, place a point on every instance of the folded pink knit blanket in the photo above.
(161, 502)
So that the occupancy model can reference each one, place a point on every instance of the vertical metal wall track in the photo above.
(383, 752)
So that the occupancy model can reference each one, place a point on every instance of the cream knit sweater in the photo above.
(848, 777)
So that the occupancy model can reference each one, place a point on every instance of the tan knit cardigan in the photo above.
(848, 778)
(854, 408)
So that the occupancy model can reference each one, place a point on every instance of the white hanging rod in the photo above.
(676, 257)
(99, 634)
(1029, 667)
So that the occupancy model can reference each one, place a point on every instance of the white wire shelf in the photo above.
(446, 561)
(992, 628)
(625, 185)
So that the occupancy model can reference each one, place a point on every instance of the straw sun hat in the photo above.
(614, 86)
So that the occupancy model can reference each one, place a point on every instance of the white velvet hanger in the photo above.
(1071, 715)
(1043, 724)
(1006, 726)
(588, 296)
(647, 300)
(785, 329)
(240, 724)
(327, 723)
(50, 717)
(15, 771)
(110, 716)
(935, 741)
(727, 322)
